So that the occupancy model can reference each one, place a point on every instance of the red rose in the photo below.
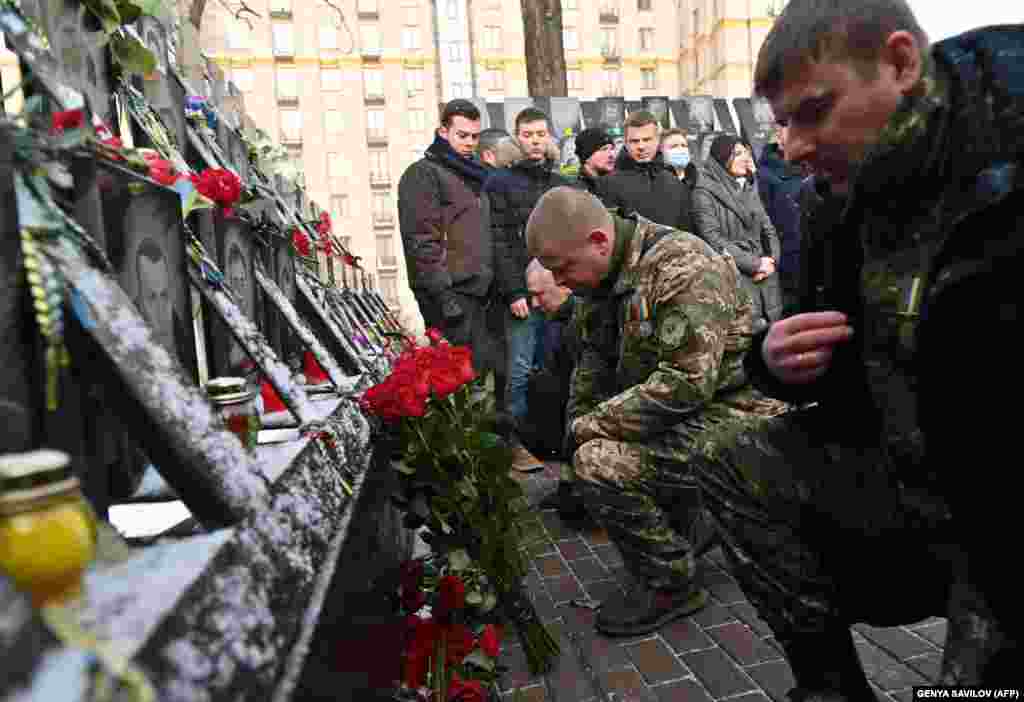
(410, 403)
(462, 359)
(68, 119)
(451, 596)
(458, 643)
(435, 336)
(220, 185)
(300, 241)
(490, 641)
(163, 172)
(466, 690)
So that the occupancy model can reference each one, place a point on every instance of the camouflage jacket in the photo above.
(664, 339)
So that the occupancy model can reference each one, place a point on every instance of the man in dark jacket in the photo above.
(512, 192)
(448, 250)
(779, 183)
(897, 463)
(642, 182)
(596, 151)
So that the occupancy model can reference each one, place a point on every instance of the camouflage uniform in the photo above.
(662, 344)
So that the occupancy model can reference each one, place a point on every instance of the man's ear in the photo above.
(902, 54)
(601, 240)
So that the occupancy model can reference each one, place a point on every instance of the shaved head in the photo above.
(572, 234)
(564, 216)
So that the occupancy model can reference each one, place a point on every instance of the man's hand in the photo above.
(520, 308)
(798, 349)
(766, 269)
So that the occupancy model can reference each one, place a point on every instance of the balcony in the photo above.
(371, 54)
(387, 261)
(288, 100)
(383, 219)
(379, 180)
(377, 137)
(608, 14)
(290, 138)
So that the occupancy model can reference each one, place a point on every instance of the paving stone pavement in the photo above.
(724, 652)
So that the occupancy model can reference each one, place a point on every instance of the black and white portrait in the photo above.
(763, 114)
(145, 240)
(611, 111)
(236, 263)
(513, 106)
(589, 113)
(702, 113)
(658, 106)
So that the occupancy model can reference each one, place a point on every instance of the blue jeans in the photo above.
(523, 341)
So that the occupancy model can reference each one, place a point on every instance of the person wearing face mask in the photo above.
(675, 150)
(728, 214)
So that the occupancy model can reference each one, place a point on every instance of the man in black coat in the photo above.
(448, 250)
(642, 182)
(895, 462)
(512, 193)
(596, 151)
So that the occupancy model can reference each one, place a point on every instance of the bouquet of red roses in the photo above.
(454, 472)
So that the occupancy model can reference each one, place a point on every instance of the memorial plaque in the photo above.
(236, 251)
(513, 106)
(496, 115)
(725, 116)
(756, 121)
(590, 113)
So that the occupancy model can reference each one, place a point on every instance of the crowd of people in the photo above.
(777, 355)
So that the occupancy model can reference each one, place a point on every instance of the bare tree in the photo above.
(545, 57)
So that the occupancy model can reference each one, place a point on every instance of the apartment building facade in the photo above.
(355, 95)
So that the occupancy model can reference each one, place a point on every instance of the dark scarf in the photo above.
(473, 171)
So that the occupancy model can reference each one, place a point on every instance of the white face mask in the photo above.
(678, 157)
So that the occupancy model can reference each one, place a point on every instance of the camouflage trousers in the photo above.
(820, 537)
(647, 497)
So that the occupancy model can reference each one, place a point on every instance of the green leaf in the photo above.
(131, 55)
(459, 560)
(490, 602)
(106, 12)
(401, 467)
(479, 659)
(129, 11)
(474, 598)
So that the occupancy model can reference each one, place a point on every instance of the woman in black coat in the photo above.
(728, 214)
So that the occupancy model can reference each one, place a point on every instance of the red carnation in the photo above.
(300, 241)
(68, 119)
(451, 596)
(220, 185)
(162, 171)
(490, 641)
(462, 360)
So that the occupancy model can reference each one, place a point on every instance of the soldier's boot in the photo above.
(645, 609)
(568, 501)
(525, 462)
(826, 667)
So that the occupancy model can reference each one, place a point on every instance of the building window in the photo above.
(410, 38)
(334, 122)
(238, 36)
(454, 54)
(385, 251)
(370, 37)
(495, 79)
(492, 38)
(609, 43)
(328, 38)
(643, 5)
(284, 40)
(612, 81)
(281, 7)
(389, 288)
(243, 79)
(330, 79)
(453, 9)
(339, 203)
(414, 80)
(417, 120)
(569, 4)
(380, 172)
(570, 39)
(373, 83)
(291, 125)
(574, 77)
(335, 165)
(648, 79)
(376, 124)
(646, 39)
(287, 85)
(382, 209)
